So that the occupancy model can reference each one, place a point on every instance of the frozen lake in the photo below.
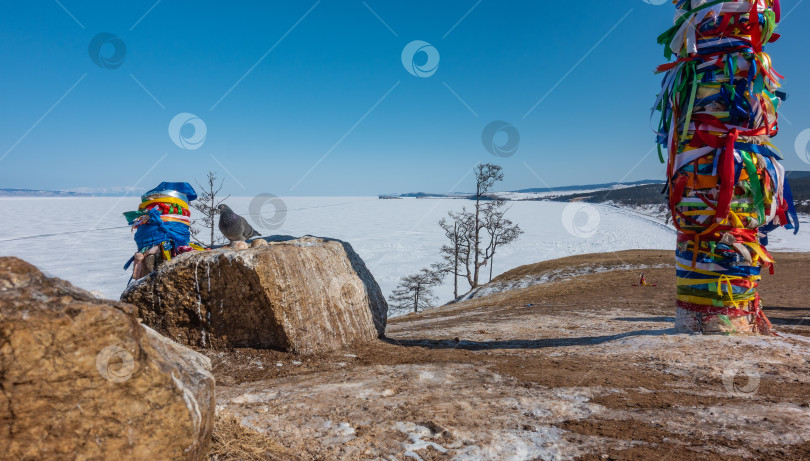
(394, 237)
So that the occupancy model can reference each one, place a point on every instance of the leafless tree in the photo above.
(416, 291)
(474, 236)
(206, 204)
(501, 231)
(456, 254)
(486, 175)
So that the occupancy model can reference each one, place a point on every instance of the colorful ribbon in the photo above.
(163, 219)
(726, 188)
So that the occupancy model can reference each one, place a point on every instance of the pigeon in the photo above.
(234, 227)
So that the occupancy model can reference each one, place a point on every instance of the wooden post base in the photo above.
(708, 324)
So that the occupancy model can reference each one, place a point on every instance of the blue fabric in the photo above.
(729, 268)
(737, 271)
(128, 263)
(156, 231)
(791, 208)
(763, 150)
(182, 187)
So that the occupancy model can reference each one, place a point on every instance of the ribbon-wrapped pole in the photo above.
(162, 224)
(726, 187)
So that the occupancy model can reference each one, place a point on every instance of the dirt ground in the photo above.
(583, 366)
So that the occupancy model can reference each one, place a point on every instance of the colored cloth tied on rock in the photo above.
(163, 219)
(727, 189)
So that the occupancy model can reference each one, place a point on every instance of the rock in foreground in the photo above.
(82, 379)
(303, 295)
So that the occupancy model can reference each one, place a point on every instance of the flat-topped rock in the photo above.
(303, 295)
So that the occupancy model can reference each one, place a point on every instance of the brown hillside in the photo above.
(583, 367)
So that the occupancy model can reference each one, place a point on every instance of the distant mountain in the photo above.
(647, 194)
(424, 195)
(798, 174)
(114, 191)
(39, 193)
(536, 190)
(590, 186)
(651, 194)
(637, 193)
(800, 186)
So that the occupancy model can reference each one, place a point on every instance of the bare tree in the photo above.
(457, 251)
(416, 291)
(486, 175)
(501, 231)
(474, 236)
(206, 204)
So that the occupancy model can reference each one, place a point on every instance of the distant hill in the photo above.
(800, 186)
(650, 194)
(39, 193)
(590, 186)
(536, 190)
(798, 174)
(425, 195)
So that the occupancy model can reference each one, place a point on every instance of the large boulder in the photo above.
(304, 295)
(81, 378)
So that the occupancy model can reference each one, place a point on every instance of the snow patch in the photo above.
(416, 443)
(546, 443)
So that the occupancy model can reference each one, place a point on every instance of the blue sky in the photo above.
(312, 98)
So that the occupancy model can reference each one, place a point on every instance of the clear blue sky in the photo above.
(68, 123)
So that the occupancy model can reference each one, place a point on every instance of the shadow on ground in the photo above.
(523, 343)
(646, 319)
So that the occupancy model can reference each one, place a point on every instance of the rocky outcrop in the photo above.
(303, 295)
(80, 378)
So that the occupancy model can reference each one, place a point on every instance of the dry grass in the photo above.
(232, 441)
(594, 259)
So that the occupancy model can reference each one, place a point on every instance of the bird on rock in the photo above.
(234, 227)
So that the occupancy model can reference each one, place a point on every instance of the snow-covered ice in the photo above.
(394, 237)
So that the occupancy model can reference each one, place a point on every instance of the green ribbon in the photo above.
(756, 185)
